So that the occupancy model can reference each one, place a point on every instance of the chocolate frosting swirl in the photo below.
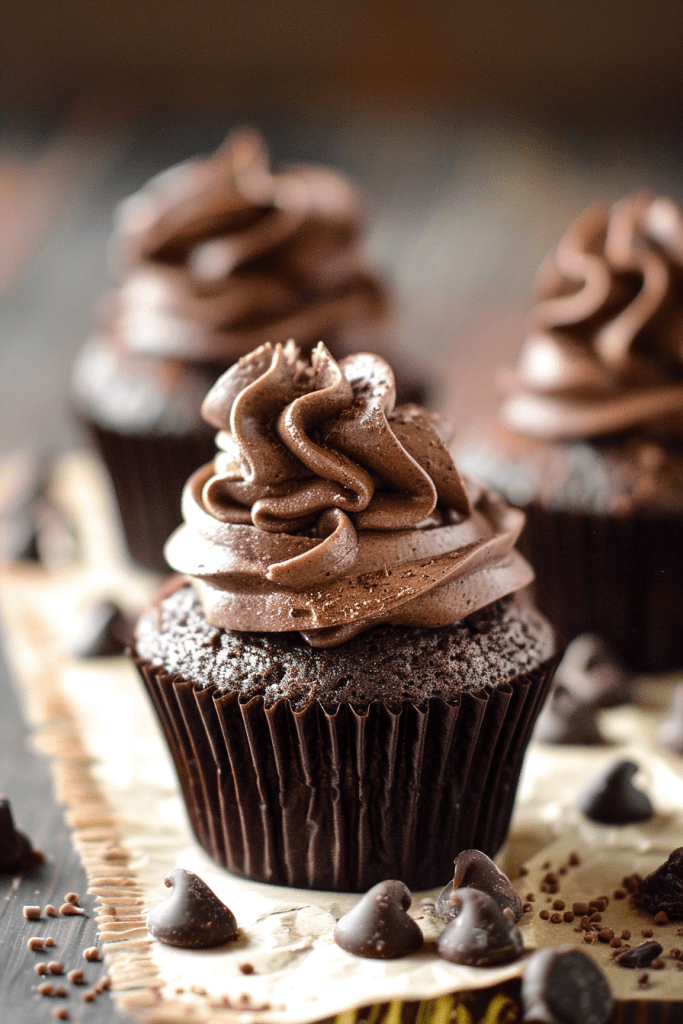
(221, 255)
(329, 510)
(604, 348)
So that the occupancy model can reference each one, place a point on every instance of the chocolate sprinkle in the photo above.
(663, 889)
(481, 934)
(610, 797)
(640, 956)
(474, 870)
(563, 985)
(16, 852)
(378, 926)
(192, 916)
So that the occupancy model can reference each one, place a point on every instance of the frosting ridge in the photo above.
(329, 510)
(221, 254)
(604, 345)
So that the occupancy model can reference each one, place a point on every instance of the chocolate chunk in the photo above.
(16, 851)
(474, 870)
(378, 926)
(671, 730)
(481, 934)
(567, 718)
(593, 673)
(640, 956)
(102, 631)
(663, 889)
(192, 916)
(563, 985)
(611, 798)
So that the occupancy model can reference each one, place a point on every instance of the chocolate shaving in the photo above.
(663, 889)
(640, 956)
(192, 916)
(474, 870)
(563, 985)
(481, 934)
(378, 926)
(610, 797)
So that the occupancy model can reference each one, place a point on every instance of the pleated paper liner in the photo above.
(148, 473)
(618, 575)
(339, 801)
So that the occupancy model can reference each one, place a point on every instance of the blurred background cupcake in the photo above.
(349, 680)
(589, 439)
(217, 255)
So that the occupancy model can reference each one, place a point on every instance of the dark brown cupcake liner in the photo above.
(342, 800)
(620, 576)
(148, 473)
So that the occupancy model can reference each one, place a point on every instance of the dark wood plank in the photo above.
(25, 779)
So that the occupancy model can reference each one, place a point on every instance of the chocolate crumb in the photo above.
(50, 911)
(615, 942)
(35, 943)
(558, 905)
(71, 897)
(40, 968)
(523, 871)
(643, 979)
(49, 941)
(89, 996)
(527, 907)
(92, 953)
(647, 933)
(69, 910)
(55, 967)
(562, 870)
(661, 917)
(61, 1014)
(544, 915)
(246, 968)
(598, 904)
(556, 918)
(32, 913)
(619, 894)
(605, 934)
(46, 989)
(60, 991)
(574, 860)
(530, 897)
(568, 916)
(76, 976)
(580, 909)
(544, 867)
(625, 933)
(658, 964)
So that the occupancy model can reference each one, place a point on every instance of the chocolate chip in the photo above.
(663, 889)
(101, 632)
(591, 671)
(640, 956)
(671, 730)
(566, 719)
(16, 852)
(474, 870)
(481, 934)
(563, 985)
(378, 926)
(192, 916)
(610, 797)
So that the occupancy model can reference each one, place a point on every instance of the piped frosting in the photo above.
(604, 345)
(329, 510)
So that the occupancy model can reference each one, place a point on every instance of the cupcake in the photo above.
(347, 671)
(590, 436)
(216, 256)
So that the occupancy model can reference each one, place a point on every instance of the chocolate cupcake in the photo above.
(346, 673)
(590, 438)
(217, 256)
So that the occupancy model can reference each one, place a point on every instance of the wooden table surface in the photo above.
(461, 210)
